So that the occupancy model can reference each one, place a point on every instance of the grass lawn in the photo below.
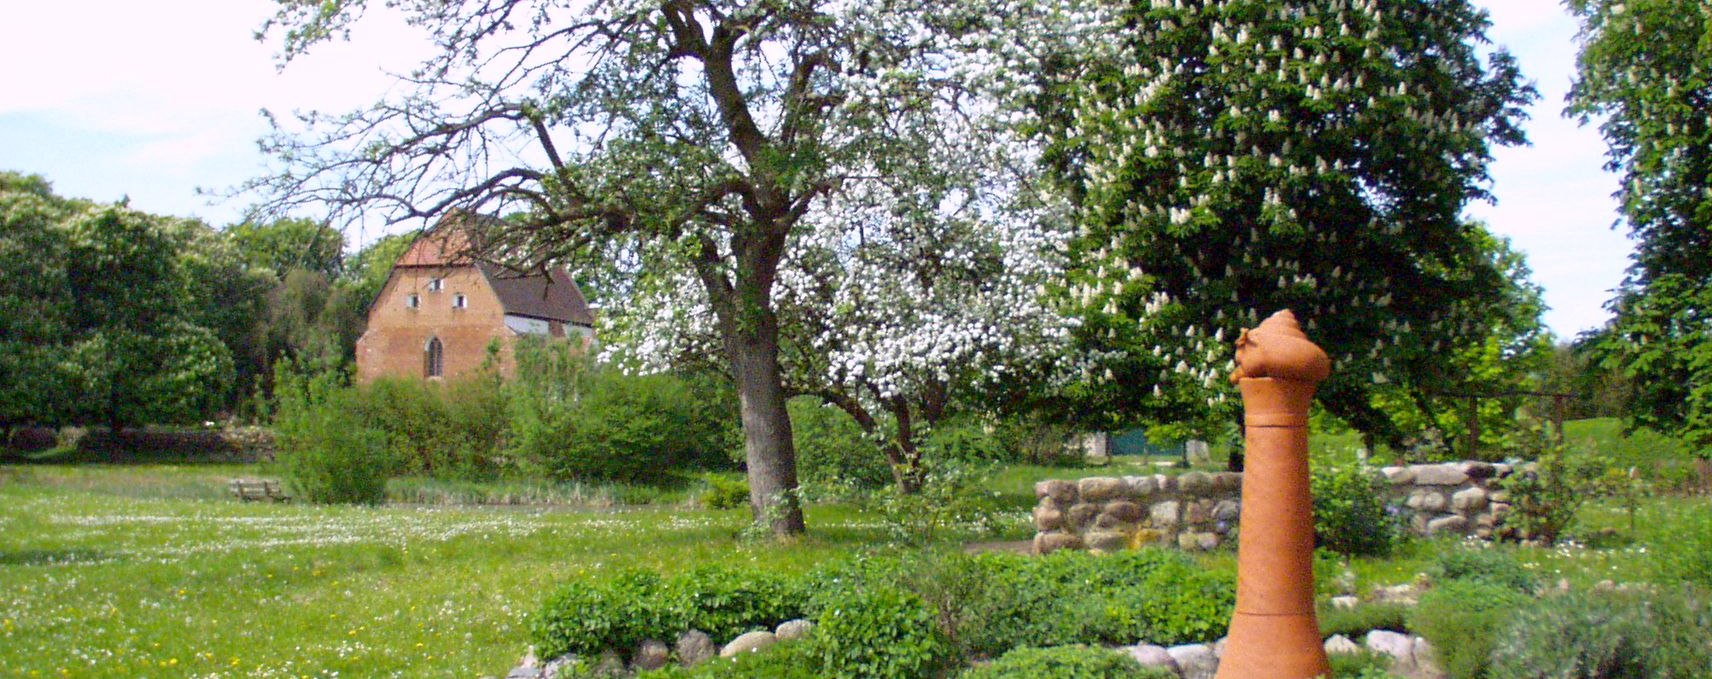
(150, 571)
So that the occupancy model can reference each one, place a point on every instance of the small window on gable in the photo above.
(413, 301)
(460, 301)
(433, 358)
(436, 285)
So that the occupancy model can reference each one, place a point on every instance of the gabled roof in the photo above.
(553, 296)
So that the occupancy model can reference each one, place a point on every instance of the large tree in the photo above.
(676, 137)
(35, 305)
(1238, 157)
(1646, 73)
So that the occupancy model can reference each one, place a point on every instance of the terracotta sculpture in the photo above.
(1274, 634)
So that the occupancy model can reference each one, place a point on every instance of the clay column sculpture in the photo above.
(1274, 634)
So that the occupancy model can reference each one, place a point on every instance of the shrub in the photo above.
(589, 616)
(954, 499)
(1350, 516)
(1462, 619)
(617, 427)
(1083, 662)
(722, 492)
(1608, 635)
(1492, 566)
(1363, 664)
(1363, 618)
(1682, 552)
(832, 453)
(1545, 499)
(725, 602)
(329, 456)
(878, 633)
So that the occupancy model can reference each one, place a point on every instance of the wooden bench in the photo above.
(253, 490)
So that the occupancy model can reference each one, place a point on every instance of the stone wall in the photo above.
(1199, 510)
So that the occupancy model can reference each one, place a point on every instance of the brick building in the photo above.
(440, 310)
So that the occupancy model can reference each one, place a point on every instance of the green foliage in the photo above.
(1363, 664)
(290, 244)
(953, 499)
(1490, 565)
(449, 430)
(35, 305)
(618, 613)
(1646, 75)
(1230, 159)
(1608, 635)
(1682, 549)
(722, 492)
(726, 602)
(1462, 619)
(1078, 661)
(878, 633)
(328, 458)
(832, 452)
(1544, 499)
(1357, 621)
(1350, 515)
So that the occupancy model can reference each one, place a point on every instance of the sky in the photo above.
(112, 99)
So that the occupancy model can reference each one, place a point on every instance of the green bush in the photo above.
(725, 602)
(878, 633)
(954, 501)
(1363, 664)
(1350, 516)
(1682, 552)
(1544, 500)
(1082, 662)
(587, 617)
(1356, 622)
(1490, 565)
(329, 455)
(722, 492)
(617, 427)
(1462, 619)
(1608, 635)
(833, 456)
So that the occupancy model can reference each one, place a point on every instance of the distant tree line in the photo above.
(110, 316)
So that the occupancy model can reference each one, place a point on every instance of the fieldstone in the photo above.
(1227, 510)
(1047, 543)
(1195, 483)
(749, 643)
(1500, 510)
(524, 673)
(1149, 655)
(1418, 522)
(556, 668)
(1453, 524)
(1501, 469)
(1345, 602)
(1424, 500)
(1195, 661)
(1100, 489)
(1123, 512)
(1141, 486)
(1219, 647)
(608, 665)
(1339, 644)
(1165, 483)
(1401, 648)
(1227, 481)
(1468, 500)
(1478, 470)
(1207, 541)
(1198, 512)
(791, 630)
(529, 659)
(1046, 518)
(1427, 661)
(1106, 540)
(1402, 594)
(1398, 475)
(1186, 542)
(693, 647)
(1061, 491)
(1082, 514)
(1164, 515)
(1440, 475)
(651, 655)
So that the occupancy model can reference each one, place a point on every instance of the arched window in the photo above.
(433, 358)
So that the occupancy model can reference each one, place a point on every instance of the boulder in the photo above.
(1187, 542)
(1478, 470)
(1062, 492)
(1047, 518)
(1164, 515)
(1207, 541)
(1227, 481)
(1100, 489)
(651, 655)
(1429, 501)
(1400, 647)
(791, 630)
(1195, 483)
(1440, 475)
(1165, 483)
(524, 673)
(1426, 662)
(1149, 655)
(749, 643)
(1344, 602)
(1198, 512)
(1140, 486)
(1468, 500)
(1106, 540)
(1123, 511)
(1047, 543)
(1195, 661)
(558, 668)
(1082, 514)
(1398, 476)
(1339, 644)
(693, 647)
(1452, 525)
(1227, 510)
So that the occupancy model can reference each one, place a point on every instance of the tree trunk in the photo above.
(767, 446)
